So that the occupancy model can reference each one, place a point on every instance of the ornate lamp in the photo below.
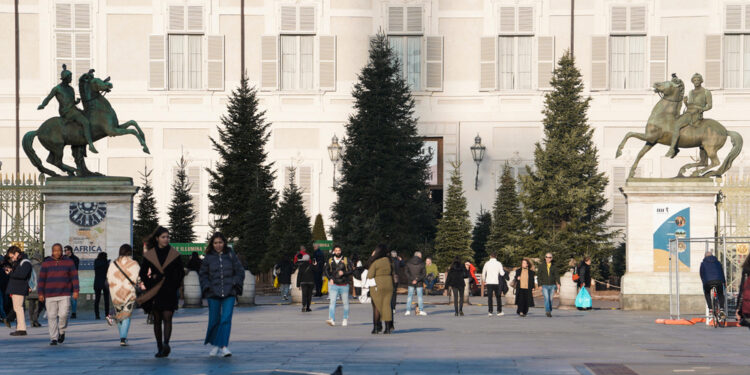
(334, 153)
(477, 153)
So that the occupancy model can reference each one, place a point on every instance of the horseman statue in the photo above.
(75, 127)
(668, 126)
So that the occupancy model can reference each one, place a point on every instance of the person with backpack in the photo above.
(18, 286)
(58, 283)
(338, 269)
(35, 307)
(283, 271)
(122, 276)
(415, 274)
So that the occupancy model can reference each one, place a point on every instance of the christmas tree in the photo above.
(242, 195)
(453, 236)
(181, 212)
(148, 217)
(319, 230)
(290, 227)
(479, 235)
(382, 195)
(507, 221)
(563, 197)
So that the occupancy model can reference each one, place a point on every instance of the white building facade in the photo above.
(476, 67)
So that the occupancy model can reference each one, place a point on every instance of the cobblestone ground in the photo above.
(279, 339)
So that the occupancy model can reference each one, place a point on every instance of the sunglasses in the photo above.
(548, 257)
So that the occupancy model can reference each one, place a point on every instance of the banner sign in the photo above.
(88, 234)
(189, 248)
(671, 221)
(324, 245)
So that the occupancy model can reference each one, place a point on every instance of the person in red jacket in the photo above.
(58, 281)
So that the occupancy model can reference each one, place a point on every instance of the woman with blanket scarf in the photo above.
(122, 276)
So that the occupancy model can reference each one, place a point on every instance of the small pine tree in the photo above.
(181, 213)
(453, 236)
(479, 235)
(319, 230)
(290, 227)
(618, 260)
(504, 238)
(148, 217)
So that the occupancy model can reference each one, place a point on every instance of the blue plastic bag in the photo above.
(583, 300)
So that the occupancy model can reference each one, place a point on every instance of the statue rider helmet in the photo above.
(65, 73)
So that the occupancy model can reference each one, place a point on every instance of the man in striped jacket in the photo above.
(58, 280)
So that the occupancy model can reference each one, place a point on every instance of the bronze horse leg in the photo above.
(79, 154)
(701, 163)
(711, 152)
(122, 129)
(646, 148)
(56, 158)
(642, 136)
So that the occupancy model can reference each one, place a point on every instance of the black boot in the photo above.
(159, 349)
(376, 328)
(388, 328)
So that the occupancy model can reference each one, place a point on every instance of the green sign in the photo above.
(324, 245)
(189, 248)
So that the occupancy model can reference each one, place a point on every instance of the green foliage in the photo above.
(383, 196)
(454, 228)
(148, 217)
(319, 230)
(242, 194)
(563, 197)
(507, 222)
(479, 235)
(290, 227)
(618, 260)
(181, 212)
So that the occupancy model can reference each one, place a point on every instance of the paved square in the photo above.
(279, 339)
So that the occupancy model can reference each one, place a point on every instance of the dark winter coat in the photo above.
(76, 260)
(711, 270)
(221, 275)
(18, 278)
(456, 275)
(101, 266)
(396, 265)
(517, 277)
(286, 269)
(332, 270)
(584, 275)
(415, 270)
(305, 273)
(166, 297)
(551, 278)
(194, 263)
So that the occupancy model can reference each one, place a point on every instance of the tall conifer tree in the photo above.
(453, 236)
(290, 226)
(479, 235)
(181, 212)
(507, 222)
(148, 216)
(319, 230)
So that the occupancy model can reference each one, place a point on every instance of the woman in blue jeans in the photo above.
(221, 278)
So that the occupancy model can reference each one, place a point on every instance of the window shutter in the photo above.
(63, 52)
(289, 18)
(434, 63)
(488, 64)
(176, 18)
(658, 59)
(395, 19)
(747, 17)
(546, 60)
(599, 63)
(195, 18)
(526, 19)
(269, 62)
(733, 17)
(638, 18)
(414, 19)
(327, 62)
(82, 47)
(307, 19)
(619, 19)
(305, 186)
(713, 61)
(507, 17)
(215, 62)
(157, 62)
(619, 206)
(63, 16)
(82, 16)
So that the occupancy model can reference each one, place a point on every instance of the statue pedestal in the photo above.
(659, 209)
(92, 215)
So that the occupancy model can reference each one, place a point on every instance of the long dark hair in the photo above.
(210, 248)
(152, 241)
(457, 265)
(381, 251)
(746, 265)
(126, 250)
(102, 256)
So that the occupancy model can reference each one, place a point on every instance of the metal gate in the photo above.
(22, 214)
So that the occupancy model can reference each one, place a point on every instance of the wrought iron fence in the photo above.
(22, 213)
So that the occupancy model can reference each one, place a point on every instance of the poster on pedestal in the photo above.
(671, 221)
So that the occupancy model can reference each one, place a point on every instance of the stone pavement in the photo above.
(279, 339)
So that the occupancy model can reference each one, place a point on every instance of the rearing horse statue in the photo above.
(708, 135)
(56, 133)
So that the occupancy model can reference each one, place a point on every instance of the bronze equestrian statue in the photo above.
(668, 127)
(77, 128)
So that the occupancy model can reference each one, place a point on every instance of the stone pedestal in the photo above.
(568, 290)
(659, 209)
(92, 215)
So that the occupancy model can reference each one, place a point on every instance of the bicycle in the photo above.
(719, 317)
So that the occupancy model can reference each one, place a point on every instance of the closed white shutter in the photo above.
(195, 18)
(305, 185)
(637, 19)
(307, 19)
(619, 205)
(619, 19)
(658, 59)
(157, 62)
(488, 63)
(434, 63)
(194, 179)
(546, 60)
(713, 61)
(733, 17)
(288, 18)
(82, 58)
(215, 62)
(63, 16)
(507, 17)
(269, 62)
(525, 19)
(327, 62)
(599, 62)
(176, 18)
(414, 19)
(82, 16)
(63, 52)
(395, 19)
(747, 17)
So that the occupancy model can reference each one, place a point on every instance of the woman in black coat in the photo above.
(101, 266)
(162, 273)
(306, 280)
(18, 286)
(455, 281)
(743, 314)
(524, 277)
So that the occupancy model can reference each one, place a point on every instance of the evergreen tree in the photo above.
(479, 235)
(290, 227)
(148, 217)
(453, 236)
(181, 212)
(618, 260)
(383, 195)
(242, 194)
(319, 230)
(563, 197)
(507, 222)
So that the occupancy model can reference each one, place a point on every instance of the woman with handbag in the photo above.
(381, 273)
(122, 276)
(221, 278)
(455, 279)
(523, 286)
(162, 273)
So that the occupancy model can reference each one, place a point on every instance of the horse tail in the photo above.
(28, 148)
(736, 139)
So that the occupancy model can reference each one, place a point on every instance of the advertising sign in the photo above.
(671, 221)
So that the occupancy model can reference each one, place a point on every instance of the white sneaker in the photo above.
(330, 322)
(408, 313)
(422, 313)
(214, 352)
(345, 322)
(224, 352)
(489, 314)
(500, 313)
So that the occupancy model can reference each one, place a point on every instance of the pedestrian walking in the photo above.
(549, 279)
(302, 252)
(35, 307)
(194, 263)
(396, 265)
(77, 262)
(306, 281)
(492, 273)
(415, 274)
(57, 286)
(162, 273)
(221, 278)
(471, 279)
(523, 287)
(5, 303)
(456, 281)
(101, 266)
(123, 280)
(584, 273)
(18, 286)
(319, 259)
(338, 269)
(432, 275)
(357, 276)
(381, 272)
(283, 271)
(743, 297)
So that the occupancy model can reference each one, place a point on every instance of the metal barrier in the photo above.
(22, 214)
